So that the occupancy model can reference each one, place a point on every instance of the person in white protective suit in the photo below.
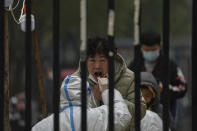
(97, 118)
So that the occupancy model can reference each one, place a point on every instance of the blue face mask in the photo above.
(150, 55)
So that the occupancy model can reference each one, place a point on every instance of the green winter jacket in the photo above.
(124, 83)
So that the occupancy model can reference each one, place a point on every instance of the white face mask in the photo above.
(150, 55)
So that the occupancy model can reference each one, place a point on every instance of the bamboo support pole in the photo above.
(39, 70)
(39, 74)
(7, 90)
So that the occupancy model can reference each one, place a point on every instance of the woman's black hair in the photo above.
(97, 45)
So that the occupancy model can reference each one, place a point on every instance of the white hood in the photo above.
(71, 92)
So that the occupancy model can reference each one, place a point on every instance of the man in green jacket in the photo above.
(97, 64)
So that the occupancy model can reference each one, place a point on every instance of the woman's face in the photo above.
(97, 64)
(147, 94)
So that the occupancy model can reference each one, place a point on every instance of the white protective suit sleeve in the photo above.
(151, 122)
(97, 118)
(122, 116)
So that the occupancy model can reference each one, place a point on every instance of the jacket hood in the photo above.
(148, 79)
(120, 66)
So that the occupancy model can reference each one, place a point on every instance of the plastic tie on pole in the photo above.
(22, 21)
(8, 3)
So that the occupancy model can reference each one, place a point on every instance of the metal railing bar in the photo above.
(28, 66)
(138, 61)
(166, 42)
(56, 70)
(83, 62)
(111, 55)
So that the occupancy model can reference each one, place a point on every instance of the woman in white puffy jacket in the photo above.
(97, 118)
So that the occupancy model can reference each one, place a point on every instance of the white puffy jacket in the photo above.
(97, 118)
